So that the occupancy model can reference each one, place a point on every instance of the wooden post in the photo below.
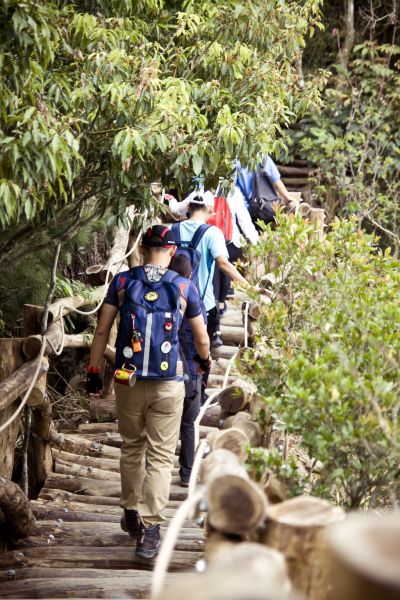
(297, 528)
(317, 218)
(237, 396)
(40, 462)
(38, 393)
(366, 557)
(14, 506)
(236, 505)
(32, 319)
(11, 358)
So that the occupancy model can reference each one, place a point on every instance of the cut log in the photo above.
(93, 275)
(297, 528)
(236, 586)
(274, 489)
(40, 461)
(219, 543)
(54, 338)
(296, 182)
(243, 421)
(45, 582)
(223, 351)
(232, 318)
(231, 439)
(103, 408)
(366, 554)
(236, 396)
(213, 416)
(101, 558)
(32, 319)
(11, 359)
(289, 171)
(220, 365)
(79, 445)
(108, 464)
(235, 504)
(38, 393)
(18, 382)
(232, 335)
(15, 509)
(261, 563)
(77, 470)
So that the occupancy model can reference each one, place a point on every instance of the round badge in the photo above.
(168, 326)
(164, 365)
(151, 296)
(127, 352)
(165, 347)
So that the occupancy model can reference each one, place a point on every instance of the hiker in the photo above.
(193, 383)
(209, 241)
(244, 180)
(151, 301)
(236, 224)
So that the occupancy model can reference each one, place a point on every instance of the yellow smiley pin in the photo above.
(164, 365)
(151, 296)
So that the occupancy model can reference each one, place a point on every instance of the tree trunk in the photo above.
(348, 44)
(297, 527)
(219, 543)
(121, 239)
(366, 555)
(14, 506)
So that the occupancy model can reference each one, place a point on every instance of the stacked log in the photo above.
(366, 555)
(297, 528)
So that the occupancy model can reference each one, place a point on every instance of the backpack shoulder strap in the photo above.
(200, 231)
(169, 276)
(176, 230)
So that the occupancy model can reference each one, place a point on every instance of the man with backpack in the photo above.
(262, 190)
(149, 389)
(205, 247)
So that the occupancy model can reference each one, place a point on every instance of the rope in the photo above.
(160, 569)
(58, 351)
(201, 451)
(30, 388)
(46, 340)
(246, 324)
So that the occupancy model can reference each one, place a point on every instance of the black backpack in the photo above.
(263, 197)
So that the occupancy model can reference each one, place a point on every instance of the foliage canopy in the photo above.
(101, 98)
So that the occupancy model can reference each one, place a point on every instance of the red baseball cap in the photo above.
(158, 236)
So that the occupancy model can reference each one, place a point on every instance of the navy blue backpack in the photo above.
(150, 316)
(189, 249)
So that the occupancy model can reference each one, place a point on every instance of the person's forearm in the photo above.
(282, 191)
(98, 347)
(202, 346)
(231, 271)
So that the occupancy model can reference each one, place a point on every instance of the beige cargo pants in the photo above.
(149, 416)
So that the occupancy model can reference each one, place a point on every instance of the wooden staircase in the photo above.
(77, 548)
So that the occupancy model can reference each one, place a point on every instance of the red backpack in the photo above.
(222, 217)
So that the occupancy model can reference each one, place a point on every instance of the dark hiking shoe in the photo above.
(130, 522)
(149, 541)
(184, 483)
(230, 293)
(216, 341)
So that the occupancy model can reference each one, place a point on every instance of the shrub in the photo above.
(336, 323)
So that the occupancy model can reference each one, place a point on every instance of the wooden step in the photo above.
(73, 557)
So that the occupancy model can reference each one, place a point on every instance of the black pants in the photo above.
(191, 408)
(221, 282)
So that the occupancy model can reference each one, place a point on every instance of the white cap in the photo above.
(207, 198)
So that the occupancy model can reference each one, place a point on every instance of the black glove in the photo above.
(94, 384)
(203, 363)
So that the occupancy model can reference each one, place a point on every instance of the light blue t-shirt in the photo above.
(211, 245)
(244, 177)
